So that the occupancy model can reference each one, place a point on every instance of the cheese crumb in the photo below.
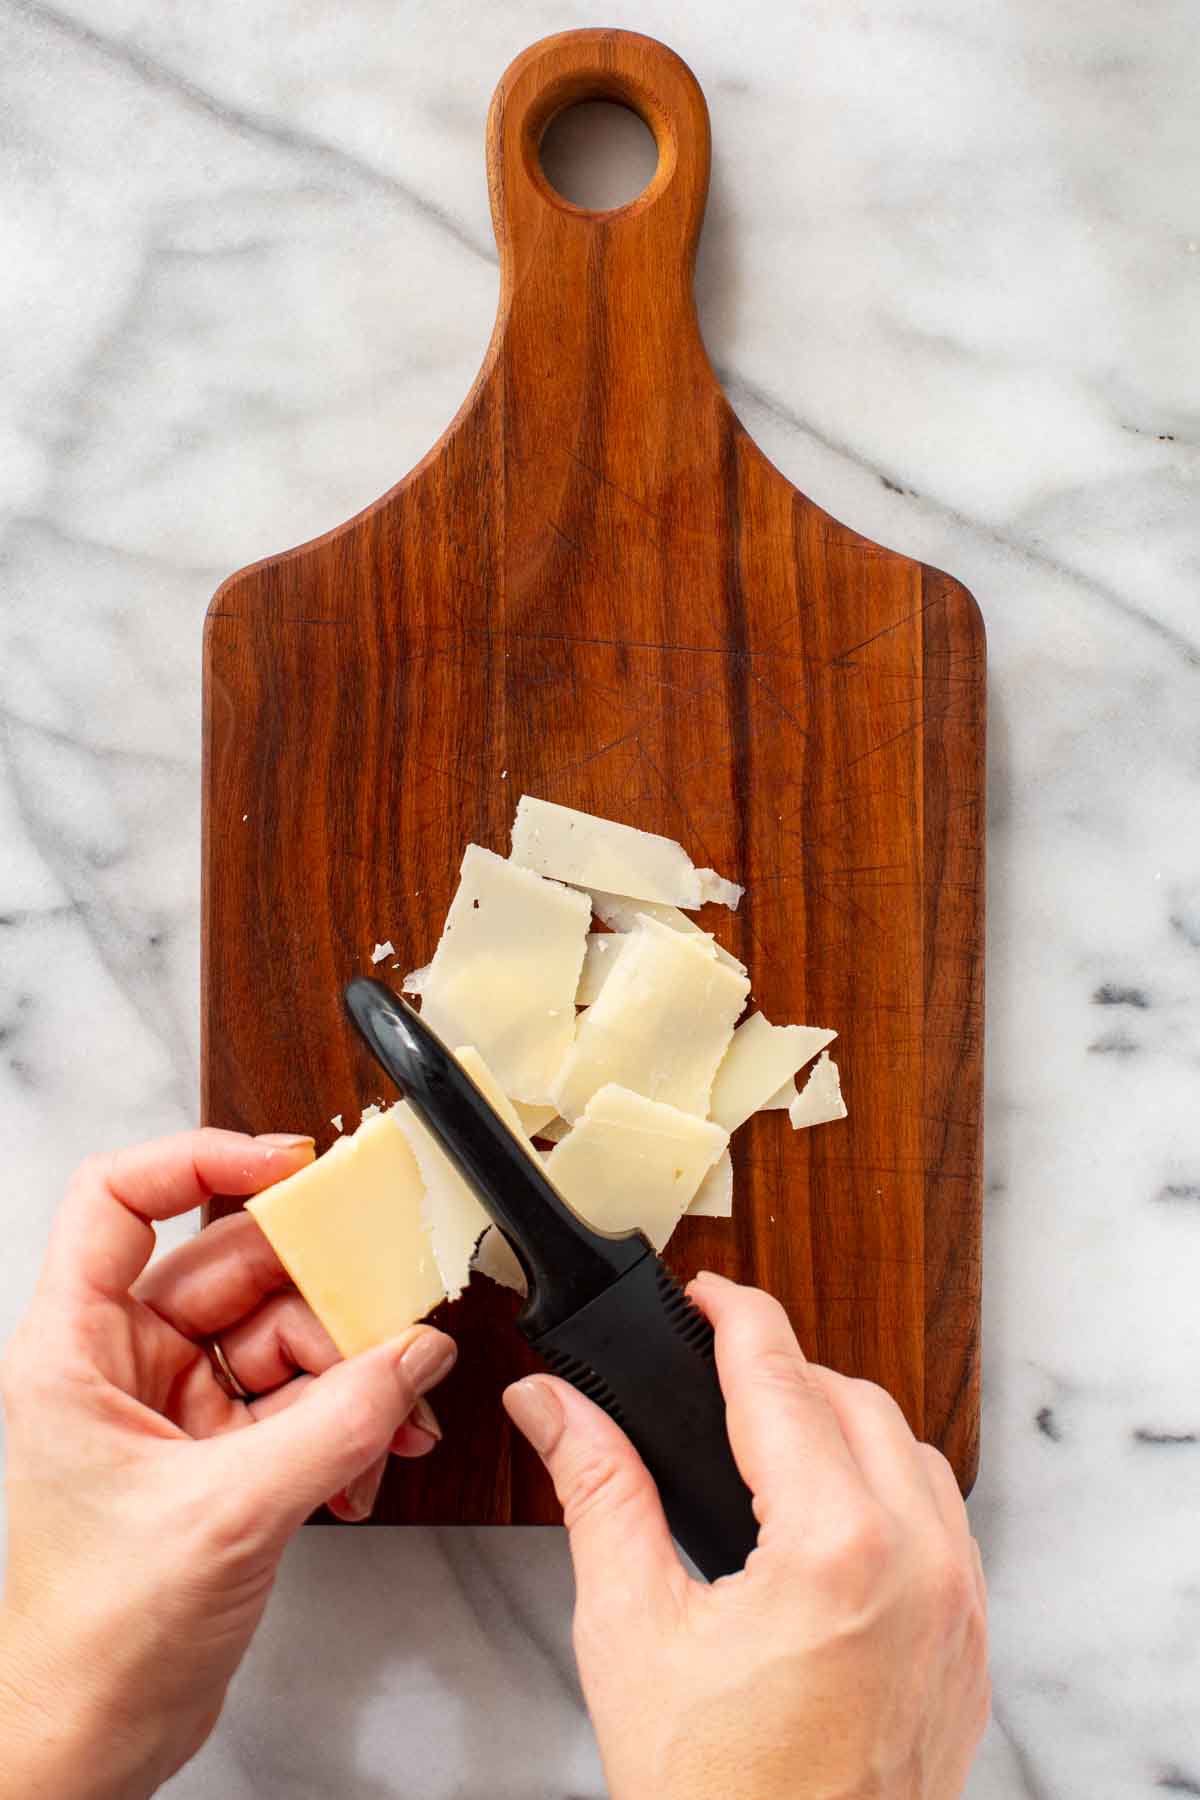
(715, 890)
(381, 951)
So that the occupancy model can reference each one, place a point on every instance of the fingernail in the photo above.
(412, 1441)
(362, 1493)
(424, 1416)
(286, 1140)
(428, 1358)
(536, 1412)
(419, 1432)
(711, 1275)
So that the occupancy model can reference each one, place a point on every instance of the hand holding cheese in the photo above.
(147, 1509)
(849, 1657)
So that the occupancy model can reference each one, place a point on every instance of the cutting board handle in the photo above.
(654, 236)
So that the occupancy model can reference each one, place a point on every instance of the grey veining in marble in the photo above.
(951, 277)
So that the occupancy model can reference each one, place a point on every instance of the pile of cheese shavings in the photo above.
(618, 1048)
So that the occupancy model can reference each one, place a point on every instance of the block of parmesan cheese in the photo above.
(761, 1057)
(820, 1101)
(506, 969)
(351, 1231)
(660, 1025)
(590, 852)
(714, 1196)
(634, 1162)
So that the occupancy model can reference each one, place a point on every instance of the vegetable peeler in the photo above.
(602, 1309)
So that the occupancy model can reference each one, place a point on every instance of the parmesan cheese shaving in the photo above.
(497, 1259)
(603, 949)
(714, 1196)
(779, 1102)
(590, 852)
(634, 1163)
(820, 1100)
(661, 1024)
(620, 913)
(506, 969)
(534, 1118)
(760, 1057)
(457, 1221)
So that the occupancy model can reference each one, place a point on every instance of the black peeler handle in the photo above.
(602, 1310)
(644, 1353)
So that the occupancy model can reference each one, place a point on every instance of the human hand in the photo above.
(149, 1509)
(848, 1658)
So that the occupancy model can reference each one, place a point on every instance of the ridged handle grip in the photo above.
(644, 1353)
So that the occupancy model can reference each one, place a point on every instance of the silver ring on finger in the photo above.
(226, 1380)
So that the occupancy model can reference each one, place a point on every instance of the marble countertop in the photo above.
(951, 277)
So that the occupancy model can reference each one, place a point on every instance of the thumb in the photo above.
(345, 1420)
(620, 1544)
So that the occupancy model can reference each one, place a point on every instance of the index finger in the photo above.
(785, 1436)
(103, 1234)
(216, 1278)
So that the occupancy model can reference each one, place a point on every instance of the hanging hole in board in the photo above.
(599, 155)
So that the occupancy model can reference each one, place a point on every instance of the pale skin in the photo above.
(148, 1512)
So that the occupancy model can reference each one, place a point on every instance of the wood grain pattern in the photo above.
(597, 589)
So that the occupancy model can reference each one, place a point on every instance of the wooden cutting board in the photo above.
(595, 588)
